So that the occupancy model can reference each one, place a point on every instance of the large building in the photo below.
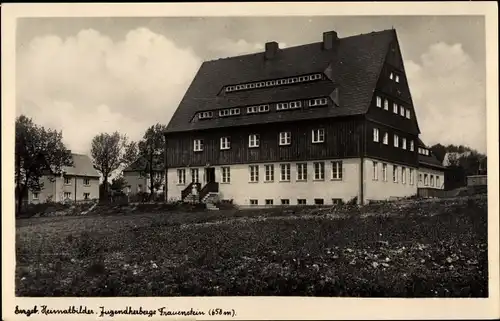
(79, 182)
(311, 124)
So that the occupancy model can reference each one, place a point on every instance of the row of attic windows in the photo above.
(274, 82)
(315, 102)
(396, 109)
(423, 151)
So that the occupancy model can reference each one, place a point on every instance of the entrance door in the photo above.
(210, 174)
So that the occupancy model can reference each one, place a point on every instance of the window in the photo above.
(269, 173)
(438, 183)
(285, 138)
(403, 140)
(295, 104)
(285, 202)
(394, 173)
(319, 170)
(224, 112)
(396, 140)
(225, 143)
(318, 135)
(302, 78)
(396, 78)
(229, 88)
(35, 196)
(281, 106)
(254, 173)
(253, 140)
(198, 145)
(181, 176)
(337, 170)
(205, 115)
(426, 180)
(269, 202)
(386, 104)
(379, 101)
(318, 201)
(402, 111)
(301, 201)
(386, 138)
(254, 202)
(412, 146)
(395, 108)
(302, 172)
(263, 108)
(375, 135)
(432, 180)
(251, 86)
(86, 196)
(403, 175)
(375, 171)
(420, 178)
(67, 181)
(268, 83)
(259, 85)
(67, 195)
(285, 172)
(318, 102)
(408, 115)
(195, 175)
(139, 188)
(86, 181)
(336, 201)
(384, 171)
(411, 176)
(252, 110)
(226, 175)
(391, 76)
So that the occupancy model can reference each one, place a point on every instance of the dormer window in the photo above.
(251, 110)
(234, 111)
(269, 83)
(295, 104)
(294, 80)
(281, 106)
(252, 86)
(318, 102)
(307, 78)
(230, 88)
(259, 84)
(205, 115)
(316, 77)
(263, 108)
(302, 78)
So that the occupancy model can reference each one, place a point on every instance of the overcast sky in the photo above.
(90, 75)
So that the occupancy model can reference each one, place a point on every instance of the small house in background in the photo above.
(137, 176)
(79, 182)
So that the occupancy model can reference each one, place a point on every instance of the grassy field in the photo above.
(402, 249)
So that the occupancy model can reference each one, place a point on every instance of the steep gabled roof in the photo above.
(354, 65)
(141, 165)
(82, 166)
(428, 160)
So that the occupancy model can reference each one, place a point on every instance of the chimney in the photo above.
(329, 39)
(271, 50)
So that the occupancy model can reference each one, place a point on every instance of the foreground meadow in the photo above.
(415, 248)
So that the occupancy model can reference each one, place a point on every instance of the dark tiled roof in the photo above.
(82, 166)
(141, 165)
(430, 160)
(355, 65)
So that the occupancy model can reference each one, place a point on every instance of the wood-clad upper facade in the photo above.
(339, 98)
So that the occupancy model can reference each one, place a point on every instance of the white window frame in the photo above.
(375, 170)
(438, 181)
(285, 201)
(295, 104)
(254, 173)
(263, 108)
(253, 140)
(269, 201)
(412, 173)
(412, 145)
(395, 108)
(301, 201)
(426, 180)
(252, 86)
(67, 181)
(86, 196)
(181, 176)
(67, 195)
(254, 202)
(403, 143)
(379, 101)
(432, 180)
(301, 171)
(386, 104)
(408, 113)
(318, 136)
(198, 145)
(86, 182)
(396, 140)
(225, 143)
(225, 174)
(269, 173)
(384, 171)
(376, 135)
(403, 175)
(318, 102)
(402, 111)
(385, 139)
(205, 115)
(337, 170)
(395, 173)
(396, 78)
(35, 195)
(195, 175)
(391, 76)
(285, 138)
(319, 171)
(252, 110)
(282, 106)
(285, 172)
(268, 83)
